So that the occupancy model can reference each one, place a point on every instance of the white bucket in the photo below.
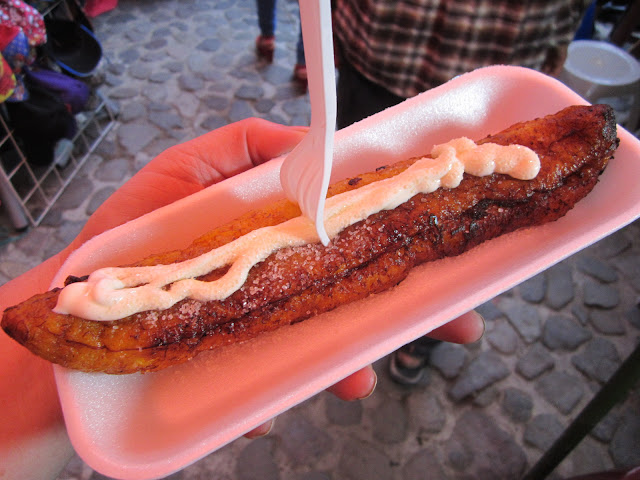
(604, 73)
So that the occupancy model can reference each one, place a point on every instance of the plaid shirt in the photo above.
(411, 46)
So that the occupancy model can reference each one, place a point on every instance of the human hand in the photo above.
(189, 167)
(180, 171)
(192, 166)
(467, 328)
(33, 422)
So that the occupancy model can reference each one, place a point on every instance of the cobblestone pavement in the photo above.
(178, 68)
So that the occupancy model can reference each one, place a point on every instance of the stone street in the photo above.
(175, 69)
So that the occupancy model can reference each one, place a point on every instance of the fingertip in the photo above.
(266, 140)
(356, 386)
(374, 384)
(467, 328)
(480, 324)
(474, 326)
(483, 324)
(261, 430)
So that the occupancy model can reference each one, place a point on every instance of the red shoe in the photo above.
(265, 46)
(300, 75)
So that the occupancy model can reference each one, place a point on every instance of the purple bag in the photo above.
(73, 92)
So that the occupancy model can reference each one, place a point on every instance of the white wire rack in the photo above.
(29, 191)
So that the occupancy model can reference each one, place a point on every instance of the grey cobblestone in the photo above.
(343, 413)
(77, 192)
(179, 68)
(250, 92)
(167, 120)
(485, 448)
(449, 359)
(607, 322)
(597, 269)
(135, 137)
(190, 83)
(534, 362)
(605, 430)
(517, 404)
(140, 71)
(427, 412)
(489, 311)
(423, 464)
(534, 289)
(363, 461)
(614, 245)
(598, 360)
(525, 318)
(629, 265)
(623, 445)
(561, 332)
(209, 45)
(123, 93)
(483, 371)
(132, 111)
(390, 426)
(159, 77)
(98, 199)
(634, 316)
(256, 461)
(562, 390)
(116, 170)
(112, 80)
(589, 457)
(216, 102)
(302, 441)
(542, 431)
(600, 295)
(560, 287)
(503, 338)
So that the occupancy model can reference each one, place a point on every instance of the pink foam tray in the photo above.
(148, 426)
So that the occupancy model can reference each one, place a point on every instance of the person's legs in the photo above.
(266, 17)
(358, 97)
(300, 49)
(300, 69)
(265, 43)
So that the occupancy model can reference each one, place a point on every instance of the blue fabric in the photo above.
(300, 50)
(585, 31)
(266, 17)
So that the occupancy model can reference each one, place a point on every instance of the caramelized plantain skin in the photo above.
(293, 284)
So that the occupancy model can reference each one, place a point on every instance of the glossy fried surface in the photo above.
(296, 283)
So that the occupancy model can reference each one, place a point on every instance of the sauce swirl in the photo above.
(114, 293)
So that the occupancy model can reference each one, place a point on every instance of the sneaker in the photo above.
(404, 375)
(406, 365)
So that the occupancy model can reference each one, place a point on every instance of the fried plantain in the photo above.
(370, 256)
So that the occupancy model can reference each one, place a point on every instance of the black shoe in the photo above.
(406, 365)
(403, 375)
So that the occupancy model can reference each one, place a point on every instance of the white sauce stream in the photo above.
(114, 293)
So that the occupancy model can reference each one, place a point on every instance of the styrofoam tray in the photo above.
(148, 426)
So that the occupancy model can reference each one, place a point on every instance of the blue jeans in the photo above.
(267, 24)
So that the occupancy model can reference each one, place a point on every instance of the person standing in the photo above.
(266, 41)
(390, 51)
